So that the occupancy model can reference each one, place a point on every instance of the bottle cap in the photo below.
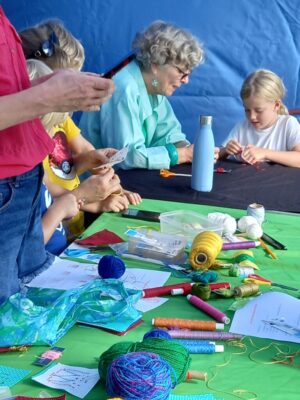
(205, 119)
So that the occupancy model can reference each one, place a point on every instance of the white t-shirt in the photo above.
(284, 135)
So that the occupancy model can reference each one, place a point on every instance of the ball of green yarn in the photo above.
(202, 291)
(174, 353)
(106, 358)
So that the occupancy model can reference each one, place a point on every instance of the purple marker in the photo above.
(246, 244)
(208, 309)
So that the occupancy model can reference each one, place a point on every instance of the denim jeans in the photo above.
(22, 248)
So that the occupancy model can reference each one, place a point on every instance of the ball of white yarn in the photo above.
(244, 222)
(226, 221)
(254, 231)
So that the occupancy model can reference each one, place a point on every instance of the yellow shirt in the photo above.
(59, 165)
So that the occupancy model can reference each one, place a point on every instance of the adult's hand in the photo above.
(89, 160)
(97, 187)
(68, 90)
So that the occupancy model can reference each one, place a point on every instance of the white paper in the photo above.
(148, 304)
(115, 159)
(65, 274)
(74, 380)
(272, 315)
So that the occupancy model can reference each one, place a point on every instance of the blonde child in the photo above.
(65, 51)
(268, 133)
(60, 202)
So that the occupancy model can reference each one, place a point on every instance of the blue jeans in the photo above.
(22, 249)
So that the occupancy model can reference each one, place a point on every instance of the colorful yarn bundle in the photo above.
(244, 258)
(111, 267)
(139, 375)
(205, 248)
(173, 353)
(178, 323)
(204, 277)
(203, 292)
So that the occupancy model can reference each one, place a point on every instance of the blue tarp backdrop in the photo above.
(238, 36)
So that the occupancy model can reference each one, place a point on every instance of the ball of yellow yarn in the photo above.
(205, 248)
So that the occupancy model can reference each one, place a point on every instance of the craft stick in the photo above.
(268, 250)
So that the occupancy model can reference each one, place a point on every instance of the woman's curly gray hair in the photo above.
(163, 43)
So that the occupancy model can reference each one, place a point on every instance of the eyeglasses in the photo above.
(47, 48)
(183, 74)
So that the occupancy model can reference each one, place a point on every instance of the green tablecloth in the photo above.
(236, 373)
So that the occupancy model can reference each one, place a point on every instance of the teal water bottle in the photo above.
(203, 157)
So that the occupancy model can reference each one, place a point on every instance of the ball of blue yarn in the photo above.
(158, 333)
(111, 267)
(139, 375)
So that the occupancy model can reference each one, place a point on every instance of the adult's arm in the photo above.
(64, 90)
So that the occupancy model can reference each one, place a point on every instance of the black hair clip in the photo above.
(47, 48)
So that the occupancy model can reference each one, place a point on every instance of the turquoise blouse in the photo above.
(145, 123)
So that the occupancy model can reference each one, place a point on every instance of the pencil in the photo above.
(267, 249)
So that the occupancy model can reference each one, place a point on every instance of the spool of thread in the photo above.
(256, 211)
(244, 258)
(111, 267)
(245, 244)
(140, 375)
(208, 309)
(173, 323)
(157, 333)
(201, 347)
(166, 290)
(205, 248)
(175, 354)
(182, 334)
(212, 286)
(242, 272)
(246, 290)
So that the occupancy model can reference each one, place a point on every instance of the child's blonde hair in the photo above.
(68, 52)
(37, 69)
(266, 84)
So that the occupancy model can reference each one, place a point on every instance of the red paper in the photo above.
(103, 237)
(63, 397)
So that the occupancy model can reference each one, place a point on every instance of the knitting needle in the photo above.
(268, 250)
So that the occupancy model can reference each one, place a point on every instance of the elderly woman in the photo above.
(138, 115)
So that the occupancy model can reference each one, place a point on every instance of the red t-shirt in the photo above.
(25, 145)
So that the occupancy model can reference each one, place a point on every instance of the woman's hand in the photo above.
(185, 154)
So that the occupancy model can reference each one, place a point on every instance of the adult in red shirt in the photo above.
(23, 145)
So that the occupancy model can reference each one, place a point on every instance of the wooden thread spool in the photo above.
(246, 290)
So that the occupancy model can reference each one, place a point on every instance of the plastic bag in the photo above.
(45, 315)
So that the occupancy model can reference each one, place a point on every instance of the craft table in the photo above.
(273, 185)
(240, 372)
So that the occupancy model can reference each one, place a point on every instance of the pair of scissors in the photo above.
(165, 173)
(259, 280)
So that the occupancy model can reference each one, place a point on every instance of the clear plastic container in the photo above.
(186, 223)
(156, 245)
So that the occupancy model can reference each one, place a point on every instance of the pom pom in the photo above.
(226, 221)
(157, 333)
(111, 267)
(254, 231)
(245, 221)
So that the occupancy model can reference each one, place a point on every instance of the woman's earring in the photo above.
(154, 82)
